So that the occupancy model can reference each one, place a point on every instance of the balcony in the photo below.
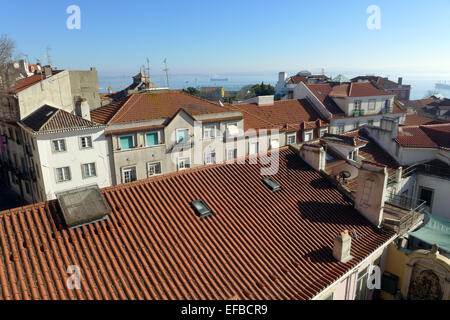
(401, 214)
(358, 113)
(182, 145)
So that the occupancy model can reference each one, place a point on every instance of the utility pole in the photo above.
(166, 70)
(49, 61)
(148, 68)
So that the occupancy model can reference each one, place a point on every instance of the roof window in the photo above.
(272, 184)
(202, 209)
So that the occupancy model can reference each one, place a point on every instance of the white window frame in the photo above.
(339, 127)
(372, 102)
(86, 139)
(127, 135)
(235, 153)
(89, 169)
(235, 124)
(208, 128)
(182, 129)
(322, 132)
(250, 147)
(210, 159)
(157, 138)
(151, 164)
(58, 141)
(182, 159)
(66, 176)
(309, 132)
(357, 105)
(292, 135)
(271, 143)
(128, 169)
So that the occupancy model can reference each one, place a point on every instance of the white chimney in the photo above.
(342, 247)
(265, 100)
(83, 110)
(370, 195)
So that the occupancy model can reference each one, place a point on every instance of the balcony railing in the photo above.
(402, 213)
(358, 113)
(427, 169)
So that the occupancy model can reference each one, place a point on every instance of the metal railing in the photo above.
(427, 168)
(410, 211)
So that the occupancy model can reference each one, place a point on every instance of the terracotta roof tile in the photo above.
(357, 89)
(153, 105)
(425, 136)
(26, 83)
(322, 91)
(259, 245)
(415, 120)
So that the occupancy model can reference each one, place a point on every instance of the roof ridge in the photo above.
(50, 118)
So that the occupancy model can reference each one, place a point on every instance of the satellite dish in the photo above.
(344, 175)
(16, 65)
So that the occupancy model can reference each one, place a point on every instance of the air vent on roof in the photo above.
(83, 206)
(272, 184)
(202, 209)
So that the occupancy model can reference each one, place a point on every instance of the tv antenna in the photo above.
(148, 68)
(47, 55)
(166, 70)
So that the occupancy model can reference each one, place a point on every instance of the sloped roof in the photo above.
(26, 83)
(322, 91)
(425, 136)
(152, 106)
(282, 114)
(258, 245)
(357, 89)
(50, 119)
(415, 119)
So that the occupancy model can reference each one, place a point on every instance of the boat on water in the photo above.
(218, 79)
(442, 85)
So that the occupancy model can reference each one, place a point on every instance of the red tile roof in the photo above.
(259, 244)
(283, 114)
(322, 91)
(357, 89)
(296, 79)
(153, 105)
(415, 120)
(26, 83)
(425, 136)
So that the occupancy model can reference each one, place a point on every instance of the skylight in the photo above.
(202, 209)
(272, 184)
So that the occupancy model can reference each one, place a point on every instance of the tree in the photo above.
(263, 89)
(192, 91)
(7, 47)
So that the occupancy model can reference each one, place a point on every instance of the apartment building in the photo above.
(401, 91)
(158, 132)
(285, 85)
(350, 105)
(61, 89)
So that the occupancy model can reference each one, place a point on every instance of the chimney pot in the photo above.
(342, 247)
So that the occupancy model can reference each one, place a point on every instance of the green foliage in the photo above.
(263, 89)
(192, 91)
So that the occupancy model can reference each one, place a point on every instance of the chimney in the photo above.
(400, 81)
(391, 125)
(83, 110)
(342, 247)
(48, 71)
(265, 100)
(314, 155)
(370, 194)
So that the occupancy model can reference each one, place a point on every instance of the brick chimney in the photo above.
(342, 247)
(400, 81)
(82, 109)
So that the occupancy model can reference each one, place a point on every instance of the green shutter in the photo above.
(152, 139)
(126, 142)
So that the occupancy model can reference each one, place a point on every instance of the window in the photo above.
(272, 184)
(372, 104)
(86, 142)
(231, 154)
(352, 155)
(361, 285)
(201, 208)
(63, 174)
(209, 132)
(274, 144)
(59, 145)
(89, 170)
(184, 163)
(323, 132)
(292, 139)
(387, 105)
(232, 129)
(356, 125)
(126, 142)
(252, 148)
(151, 139)
(357, 105)
(308, 136)
(370, 122)
(340, 129)
(154, 169)
(210, 157)
(129, 174)
(182, 135)
(426, 194)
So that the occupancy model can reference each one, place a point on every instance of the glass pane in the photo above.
(126, 142)
(152, 139)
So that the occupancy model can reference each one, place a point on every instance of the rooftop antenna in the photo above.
(47, 55)
(323, 71)
(148, 68)
(166, 70)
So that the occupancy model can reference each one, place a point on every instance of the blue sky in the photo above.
(201, 36)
